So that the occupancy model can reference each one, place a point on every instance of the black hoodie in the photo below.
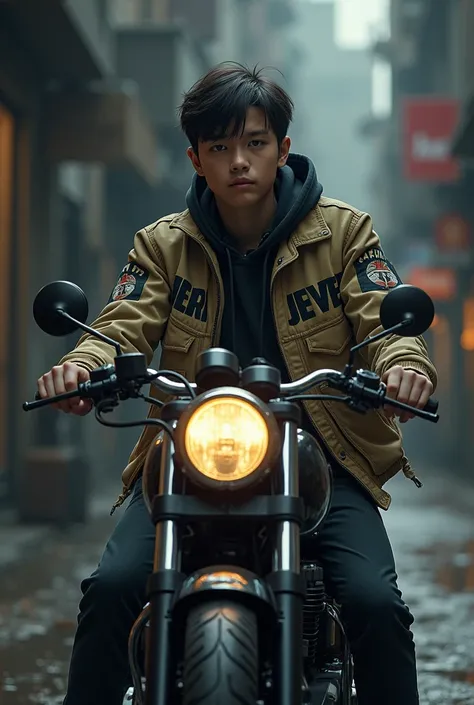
(247, 324)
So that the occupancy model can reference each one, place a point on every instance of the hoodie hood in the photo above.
(247, 320)
(297, 191)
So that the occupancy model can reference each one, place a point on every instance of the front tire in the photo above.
(221, 655)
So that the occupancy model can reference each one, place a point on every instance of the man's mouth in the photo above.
(242, 182)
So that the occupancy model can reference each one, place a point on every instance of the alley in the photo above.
(432, 532)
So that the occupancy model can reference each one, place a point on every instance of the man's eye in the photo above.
(217, 148)
(256, 143)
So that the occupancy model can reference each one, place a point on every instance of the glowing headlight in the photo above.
(226, 439)
(229, 438)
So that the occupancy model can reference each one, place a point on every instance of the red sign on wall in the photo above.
(428, 130)
(439, 282)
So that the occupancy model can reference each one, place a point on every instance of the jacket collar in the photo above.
(312, 229)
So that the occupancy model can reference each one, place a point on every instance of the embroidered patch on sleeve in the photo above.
(375, 272)
(130, 283)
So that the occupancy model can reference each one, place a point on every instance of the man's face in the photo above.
(241, 170)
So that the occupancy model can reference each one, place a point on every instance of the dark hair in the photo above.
(216, 106)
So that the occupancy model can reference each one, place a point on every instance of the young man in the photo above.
(264, 265)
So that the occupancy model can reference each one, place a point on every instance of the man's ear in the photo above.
(195, 161)
(284, 151)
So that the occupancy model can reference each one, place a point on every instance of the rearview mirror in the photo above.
(407, 302)
(60, 296)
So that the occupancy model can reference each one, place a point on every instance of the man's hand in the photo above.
(65, 378)
(408, 386)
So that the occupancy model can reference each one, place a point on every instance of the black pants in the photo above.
(359, 570)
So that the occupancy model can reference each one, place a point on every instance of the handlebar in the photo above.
(39, 401)
(289, 389)
(375, 396)
(301, 386)
(431, 406)
(86, 390)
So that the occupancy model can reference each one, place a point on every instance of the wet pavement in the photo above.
(39, 591)
(432, 532)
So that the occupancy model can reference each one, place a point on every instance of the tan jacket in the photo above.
(327, 283)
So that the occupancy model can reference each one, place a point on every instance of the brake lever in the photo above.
(366, 386)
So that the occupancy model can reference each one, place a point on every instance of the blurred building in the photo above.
(68, 121)
(425, 182)
(333, 93)
(90, 151)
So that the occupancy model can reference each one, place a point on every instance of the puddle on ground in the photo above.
(457, 574)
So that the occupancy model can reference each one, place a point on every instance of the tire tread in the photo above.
(221, 655)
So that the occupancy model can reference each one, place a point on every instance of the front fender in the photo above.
(229, 580)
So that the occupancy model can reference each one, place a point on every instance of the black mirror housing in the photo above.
(407, 303)
(60, 296)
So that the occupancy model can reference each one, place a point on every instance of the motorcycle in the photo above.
(236, 611)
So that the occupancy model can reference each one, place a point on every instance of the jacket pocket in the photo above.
(177, 339)
(180, 347)
(333, 340)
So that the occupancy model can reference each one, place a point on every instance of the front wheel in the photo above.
(221, 655)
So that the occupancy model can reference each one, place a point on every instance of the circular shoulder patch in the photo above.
(124, 287)
(380, 274)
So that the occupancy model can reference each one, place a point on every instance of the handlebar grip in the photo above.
(39, 402)
(431, 406)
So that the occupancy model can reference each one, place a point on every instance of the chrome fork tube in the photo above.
(286, 554)
(166, 544)
(286, 584)
(166, 564)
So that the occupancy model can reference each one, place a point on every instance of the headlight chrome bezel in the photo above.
(257, 475)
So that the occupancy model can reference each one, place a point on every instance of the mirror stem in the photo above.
(406, 321)
(90, 330)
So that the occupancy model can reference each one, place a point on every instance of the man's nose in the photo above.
(239, 161)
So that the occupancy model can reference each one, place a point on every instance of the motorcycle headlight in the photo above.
(227, 439)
